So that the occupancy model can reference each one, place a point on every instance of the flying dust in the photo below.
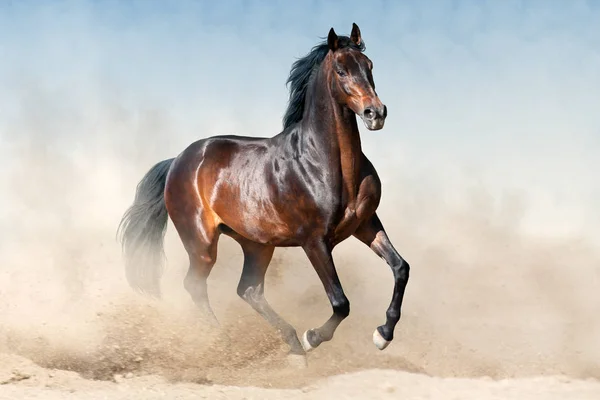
(88, 104)
(484, 299)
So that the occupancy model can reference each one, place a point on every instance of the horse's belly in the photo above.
(257, 222)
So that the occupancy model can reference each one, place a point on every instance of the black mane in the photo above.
(300, 76)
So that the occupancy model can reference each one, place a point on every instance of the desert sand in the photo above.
(28, 381)
(492, 310)
(474, 325)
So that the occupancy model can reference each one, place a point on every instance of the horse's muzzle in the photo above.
(374, 117)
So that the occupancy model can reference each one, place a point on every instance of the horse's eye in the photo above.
(341, 72)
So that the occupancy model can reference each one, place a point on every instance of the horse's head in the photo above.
(351, 79)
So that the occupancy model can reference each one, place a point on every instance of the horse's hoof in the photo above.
(297, 361)
(379, 341)
(305, 343)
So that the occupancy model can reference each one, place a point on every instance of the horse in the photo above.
(309, 186)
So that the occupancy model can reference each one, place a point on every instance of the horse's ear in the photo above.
(355, 35)
(332, 40)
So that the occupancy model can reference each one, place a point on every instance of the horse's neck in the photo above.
(335, 131)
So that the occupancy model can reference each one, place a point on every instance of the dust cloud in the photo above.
(493, 293)
(485, 299)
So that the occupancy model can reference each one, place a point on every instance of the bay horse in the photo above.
(309, 186)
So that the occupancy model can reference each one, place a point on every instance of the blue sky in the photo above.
(505, 93)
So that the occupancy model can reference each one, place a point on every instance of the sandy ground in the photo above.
(28, 381)
(78, 332)
(490, 311)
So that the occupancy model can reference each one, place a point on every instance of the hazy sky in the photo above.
(502, 92)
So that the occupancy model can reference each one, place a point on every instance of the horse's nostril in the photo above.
(369, 113)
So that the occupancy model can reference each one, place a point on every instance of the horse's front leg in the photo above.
(372, 233)
(320, 256)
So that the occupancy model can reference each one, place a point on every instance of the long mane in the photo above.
(301, 73)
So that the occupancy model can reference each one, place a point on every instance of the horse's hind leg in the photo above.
(200, 242)
(201, 263)
(251, 288)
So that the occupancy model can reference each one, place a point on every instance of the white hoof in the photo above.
(379, 341)
(297, 361)
(305, 343)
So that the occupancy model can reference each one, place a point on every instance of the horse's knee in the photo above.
(401, 271)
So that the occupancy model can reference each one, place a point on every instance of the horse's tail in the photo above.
(142, 231)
